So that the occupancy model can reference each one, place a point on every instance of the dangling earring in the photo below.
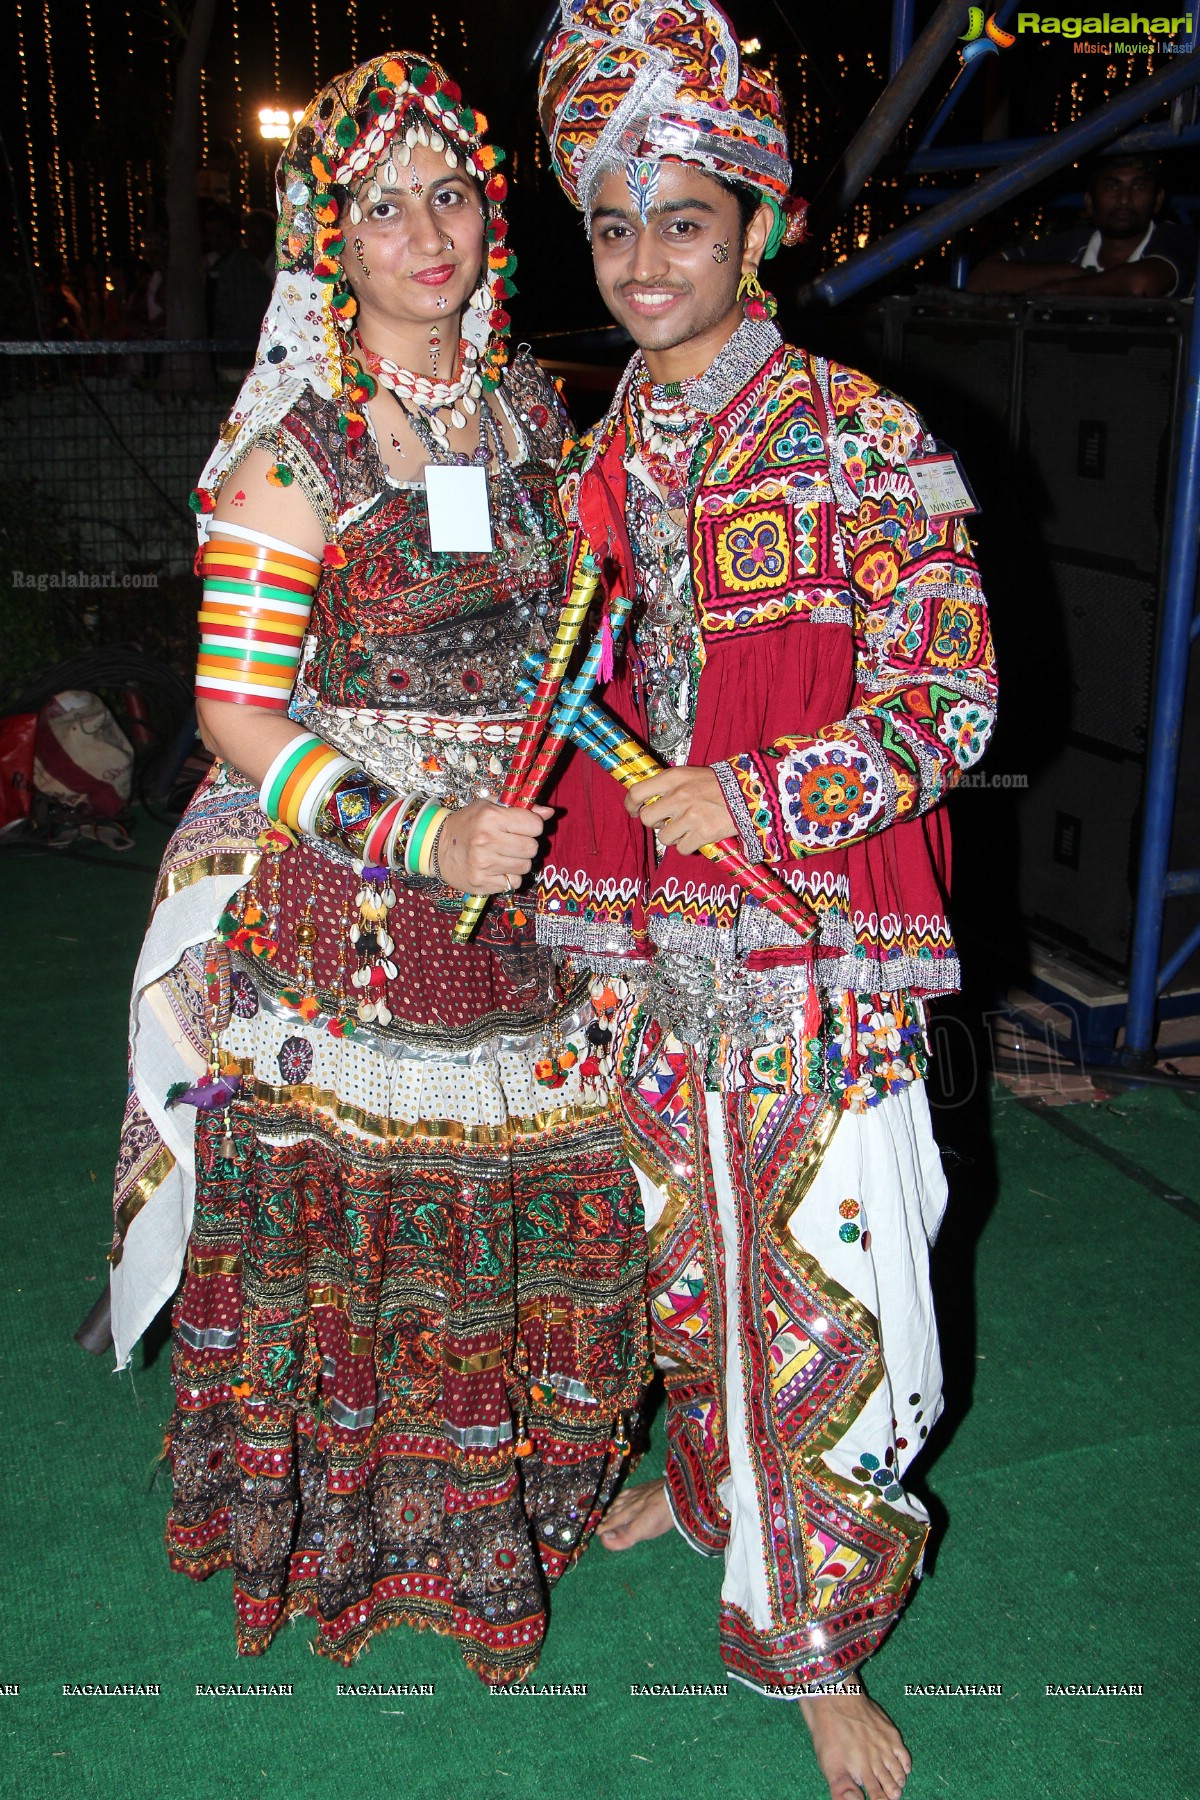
(476, 327)
(358, 251)
(756, 302)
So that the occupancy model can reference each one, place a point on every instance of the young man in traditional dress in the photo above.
(810, 658)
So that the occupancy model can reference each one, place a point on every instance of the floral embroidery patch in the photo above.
(753, 552)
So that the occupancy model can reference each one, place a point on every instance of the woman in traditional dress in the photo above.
(410, 1328)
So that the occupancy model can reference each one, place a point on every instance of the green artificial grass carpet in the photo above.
(1061, 1485)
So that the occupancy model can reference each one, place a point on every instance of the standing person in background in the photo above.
(60, 304)
(411, 1324)
(238, 286)
(1121, 248)
(258, 235)
(810, 657)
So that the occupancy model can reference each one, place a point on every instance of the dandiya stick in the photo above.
(572, 702)
(570, 624)
(621, 756)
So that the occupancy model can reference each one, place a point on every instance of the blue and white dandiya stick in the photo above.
(572, 701)
(620, 755)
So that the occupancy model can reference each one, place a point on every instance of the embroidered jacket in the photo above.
(848, 681)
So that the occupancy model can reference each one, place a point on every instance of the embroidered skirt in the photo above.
(411, 1326)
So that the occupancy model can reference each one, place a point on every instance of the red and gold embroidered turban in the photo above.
(626, 85)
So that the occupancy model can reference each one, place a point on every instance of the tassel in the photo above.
(216, 1091)
(812, 1001)
(606, 644)
(852, 1057)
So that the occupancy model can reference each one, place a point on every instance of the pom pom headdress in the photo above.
(378, 111)
(627, 84)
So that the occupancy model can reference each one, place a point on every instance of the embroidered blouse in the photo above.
(847, 683)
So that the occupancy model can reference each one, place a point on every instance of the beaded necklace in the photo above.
(668, 433)
(424, 398)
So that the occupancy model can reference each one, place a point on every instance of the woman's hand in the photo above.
(685, 806)
(488, 849)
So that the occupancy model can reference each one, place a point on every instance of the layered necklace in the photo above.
(668, 432)
(441, 404)
(668, 421)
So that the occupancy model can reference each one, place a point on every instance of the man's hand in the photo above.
(685, 806)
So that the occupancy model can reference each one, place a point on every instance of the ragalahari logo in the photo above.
(983, 37)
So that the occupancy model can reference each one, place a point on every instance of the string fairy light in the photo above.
(166, 43)
(131, 191)
(60, 222)
(72, 212)
(316, 47)
(275, 44)
(352, 15)
(243, 154)
(93, 215)
(204, 116)
(100, 188)
(91, 57)
(33, 208)
(103, 219)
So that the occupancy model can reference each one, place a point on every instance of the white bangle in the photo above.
(277, 762)
(315, 797)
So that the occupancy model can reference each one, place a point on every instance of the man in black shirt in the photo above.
(1120, 248)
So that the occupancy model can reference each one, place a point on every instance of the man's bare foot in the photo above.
(636, 1513)
(859, 1750)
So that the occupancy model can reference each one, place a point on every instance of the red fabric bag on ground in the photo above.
(82, 758)
(17, 733)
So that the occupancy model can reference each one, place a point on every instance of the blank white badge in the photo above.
(457, 500)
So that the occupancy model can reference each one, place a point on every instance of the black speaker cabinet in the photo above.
(1066, 419)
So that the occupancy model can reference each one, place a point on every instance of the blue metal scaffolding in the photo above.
(1018, 164)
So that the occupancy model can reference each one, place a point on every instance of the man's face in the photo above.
(672, 281)
(1123, 200)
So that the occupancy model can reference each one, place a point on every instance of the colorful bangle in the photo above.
(319, 768)
(393, 850)
(258, 595)
(429, 847)
(314, 789)
(397, 849)
(414, 863)
(282, 766)
(375, 843)
(435, 868)
(349, 808)
(334, 776)
(298, 779)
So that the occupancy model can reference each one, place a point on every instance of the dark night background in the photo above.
(85, 95)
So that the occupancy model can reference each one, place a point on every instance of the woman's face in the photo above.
(417, 255)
